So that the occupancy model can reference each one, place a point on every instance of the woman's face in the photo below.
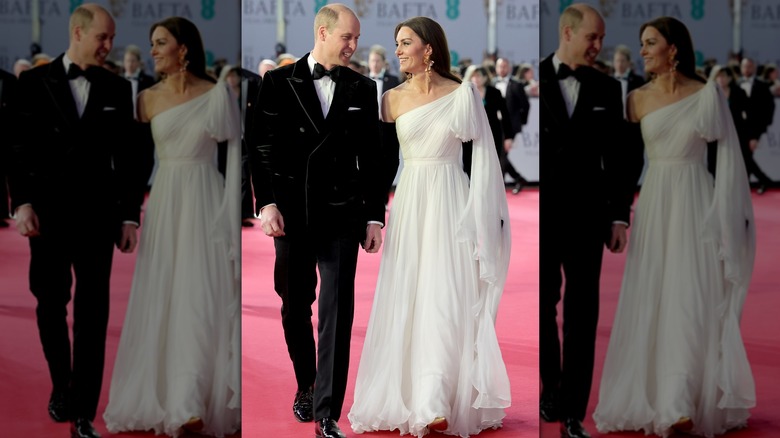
(656, 51)
(478, 79)
(233, 79)
(722, 79)
(411, 51)
(166, 51)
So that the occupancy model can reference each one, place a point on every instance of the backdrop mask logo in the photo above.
(607, 7)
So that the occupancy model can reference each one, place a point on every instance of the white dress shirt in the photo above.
(324, 86)
(79, 87)
(747, 84)
(570, 87)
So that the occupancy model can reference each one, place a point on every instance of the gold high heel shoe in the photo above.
(683, 425)
(194, 424)
(438, 424)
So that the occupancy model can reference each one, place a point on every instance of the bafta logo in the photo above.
(607, 7)
(117, 7)
(362, 7)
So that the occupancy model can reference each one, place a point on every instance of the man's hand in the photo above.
(508, 144)
(27, 221)
(271, 221)
(753, 144)
(373, 238)
(129, 238)
(617, 243)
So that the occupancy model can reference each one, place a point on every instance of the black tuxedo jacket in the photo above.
(8, 122)
(69, 167)
(517, 104)
(494, 103)
(634, 81)
(389, 82)
(589, 164)
(253, 82)
(144, 81)
(324, 174)
(760, 109)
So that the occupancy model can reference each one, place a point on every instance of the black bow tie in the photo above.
(320, 72)
(74, 71)
(564, 71)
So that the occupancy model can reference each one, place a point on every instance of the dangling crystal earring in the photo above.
(183, 64)
(674, 63)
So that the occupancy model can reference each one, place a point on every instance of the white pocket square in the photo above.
(109, 108)
(599, 108)
(353, 108)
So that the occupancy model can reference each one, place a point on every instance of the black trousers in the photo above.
(295, 278)
(575, 256)
(57, 257)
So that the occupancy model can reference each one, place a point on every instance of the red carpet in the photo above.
(760, 327)
(269, 382)
(24, 376)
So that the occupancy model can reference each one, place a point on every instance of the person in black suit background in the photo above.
(760, 113)
(738, 104)
(518, 107)
(377, 70)
(75, 195)
(250, 91)
(499, 119)
(134, 72)
(588, 172)
(621, 62)
(320, 186)
(7, 142)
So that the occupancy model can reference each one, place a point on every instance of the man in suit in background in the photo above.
(588, 175)
(250, 91)
(76, 193)
(320, 185)
(7, 141)
(134, 72)
(377, 70)
(621, 62)
(518, 107)
(760, 113)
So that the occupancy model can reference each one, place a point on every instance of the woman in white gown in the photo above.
(675, 361)
(431, 359)
(179, 362)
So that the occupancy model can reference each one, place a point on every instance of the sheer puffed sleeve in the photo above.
(224, 125)
(485, 225)
(729, 223)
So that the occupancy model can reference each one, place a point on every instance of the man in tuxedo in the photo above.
(7, 140)
(377, 70)
(588, 173)
(139, 80)
(319, 183)
(621, 62)
(250, 90)
(760, 113)
(75, 193)
(518, 106)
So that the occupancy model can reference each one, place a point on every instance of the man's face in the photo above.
(94, 42)
(748, 68)
(620, 63)
(339, 46)
(131, 63)
(375, 64)
(586, 41)
(502, 67)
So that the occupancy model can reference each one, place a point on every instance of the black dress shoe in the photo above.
(59, 406)
(761, 189)
(548, 407)
(303, 406)
(327, 428)
(517, 188)
(572, 428)
(82, 428)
